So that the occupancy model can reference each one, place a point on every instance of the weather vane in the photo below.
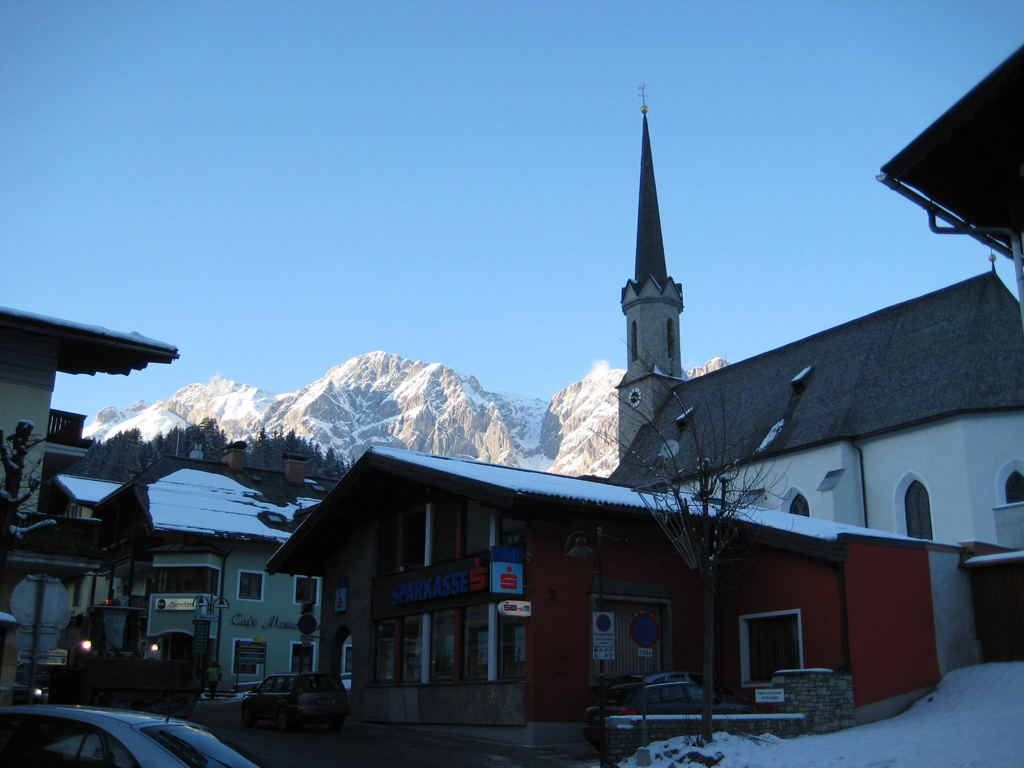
(643, 95)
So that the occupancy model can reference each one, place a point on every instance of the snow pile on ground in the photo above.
(972, 720)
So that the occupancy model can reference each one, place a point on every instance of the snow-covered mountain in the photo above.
(384, 399)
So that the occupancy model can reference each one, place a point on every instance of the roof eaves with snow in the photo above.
(86, 490)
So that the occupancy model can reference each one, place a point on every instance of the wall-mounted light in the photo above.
(154, 647)
(86, 646)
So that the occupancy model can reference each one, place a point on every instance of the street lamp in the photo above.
(582, 544)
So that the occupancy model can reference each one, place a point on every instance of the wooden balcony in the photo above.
(66, 429)
(77, 537)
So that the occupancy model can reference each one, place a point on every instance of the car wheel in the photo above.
(284, 722)
(336, 724)
(247, 719)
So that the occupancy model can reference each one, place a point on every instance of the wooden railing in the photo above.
(66, 429)
(71, 535)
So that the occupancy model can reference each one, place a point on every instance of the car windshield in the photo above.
(200, 748)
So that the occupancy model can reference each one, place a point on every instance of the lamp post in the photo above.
(581, 544)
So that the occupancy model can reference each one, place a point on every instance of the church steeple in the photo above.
(650, 249)
(652, 302)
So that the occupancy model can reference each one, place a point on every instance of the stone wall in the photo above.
(824, 697)
(626, 736)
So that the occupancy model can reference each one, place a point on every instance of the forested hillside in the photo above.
(125, 454)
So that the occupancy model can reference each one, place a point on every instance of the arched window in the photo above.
(670, 336)
(799, 506)
(919, 511)
(632, 341)
(1015, 488)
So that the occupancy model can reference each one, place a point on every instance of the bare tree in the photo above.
(13, 457)
(701, 480)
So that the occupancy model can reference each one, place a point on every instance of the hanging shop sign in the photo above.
(341, 595)
(175, 604)
(507, 570)
(515, 608)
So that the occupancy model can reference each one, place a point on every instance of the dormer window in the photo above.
(799, 382)
(683, 420)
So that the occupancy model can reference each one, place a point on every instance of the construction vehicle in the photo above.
(107, 669)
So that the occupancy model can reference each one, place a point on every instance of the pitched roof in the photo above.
(318, 534)
(954, 351)
(86, 490)
(90, 348)
(650, 249)
(208, 497)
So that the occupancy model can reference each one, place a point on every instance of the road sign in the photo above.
(251, 652)
(770, 695)
(603, 629)
(307, 624)
(200, 636)
(206, 617)
(644, 630)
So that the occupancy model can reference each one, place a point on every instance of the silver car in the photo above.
(52, 734)
(296, 698)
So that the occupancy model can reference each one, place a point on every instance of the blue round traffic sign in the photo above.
(603, 622)
(307, 624)
(644, 630)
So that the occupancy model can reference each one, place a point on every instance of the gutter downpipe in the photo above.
(984, 235)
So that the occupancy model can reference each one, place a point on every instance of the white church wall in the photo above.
(953, 610)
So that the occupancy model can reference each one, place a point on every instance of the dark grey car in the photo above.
(293, 699)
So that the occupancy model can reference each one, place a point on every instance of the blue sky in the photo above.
(276, 187)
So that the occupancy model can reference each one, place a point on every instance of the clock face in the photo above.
(635, 396)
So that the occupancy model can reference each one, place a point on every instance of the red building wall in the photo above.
(892, 627)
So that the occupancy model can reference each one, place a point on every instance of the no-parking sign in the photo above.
(603, 630)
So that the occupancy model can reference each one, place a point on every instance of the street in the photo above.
(372, 745)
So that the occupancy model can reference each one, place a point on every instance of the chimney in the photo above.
(234, 455)
(294, 467)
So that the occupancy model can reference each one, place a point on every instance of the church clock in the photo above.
(635, 396)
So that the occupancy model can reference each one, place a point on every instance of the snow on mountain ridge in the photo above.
(384, 399)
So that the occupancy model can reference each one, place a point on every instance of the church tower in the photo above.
(652, 303)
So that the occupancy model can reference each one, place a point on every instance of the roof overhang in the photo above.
(965, 168)
(90, 349)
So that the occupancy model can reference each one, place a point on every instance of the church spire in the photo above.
(650, 250)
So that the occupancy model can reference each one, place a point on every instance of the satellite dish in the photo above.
(670, 449)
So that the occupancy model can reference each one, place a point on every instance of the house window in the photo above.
(302, 657)
(770, 642)
(412, 649)
(307, 589)
(385, 652)
(632, 341)
(387, 544)
(511, 647)
(798, 506)
(76, 599)
(478, 528)
(475, 643)
(250, 585)
(414, 538)
(444, 530)
(670, 336)
(442, 645)
(1015, 488)
(513, 532)
(919, 513)
(186, 579)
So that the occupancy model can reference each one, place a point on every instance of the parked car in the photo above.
(53, 734)
(673, 698)
(675, 676)
(294, 699)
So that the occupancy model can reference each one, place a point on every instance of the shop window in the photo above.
(478, 528)
(919, 513)
(250, 585)
(414, 538)
(307, 589)
(186, 579)
(513, 532)
(444, 531)
(770, 642)
(511, 647)
(475, 643)
(385, 652)
(412, 649)
(442, 645)
(799, 506)
(302, 657)
(1015, 488)
(387, 544)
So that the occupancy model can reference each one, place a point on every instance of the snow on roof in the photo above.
(575, 489)
(86, 490)
(996, 559)
(134, 336)
(206, 502)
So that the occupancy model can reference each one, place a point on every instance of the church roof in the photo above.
(957, 350)
(650, 250)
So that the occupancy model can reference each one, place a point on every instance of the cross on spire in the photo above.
(643, 96)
